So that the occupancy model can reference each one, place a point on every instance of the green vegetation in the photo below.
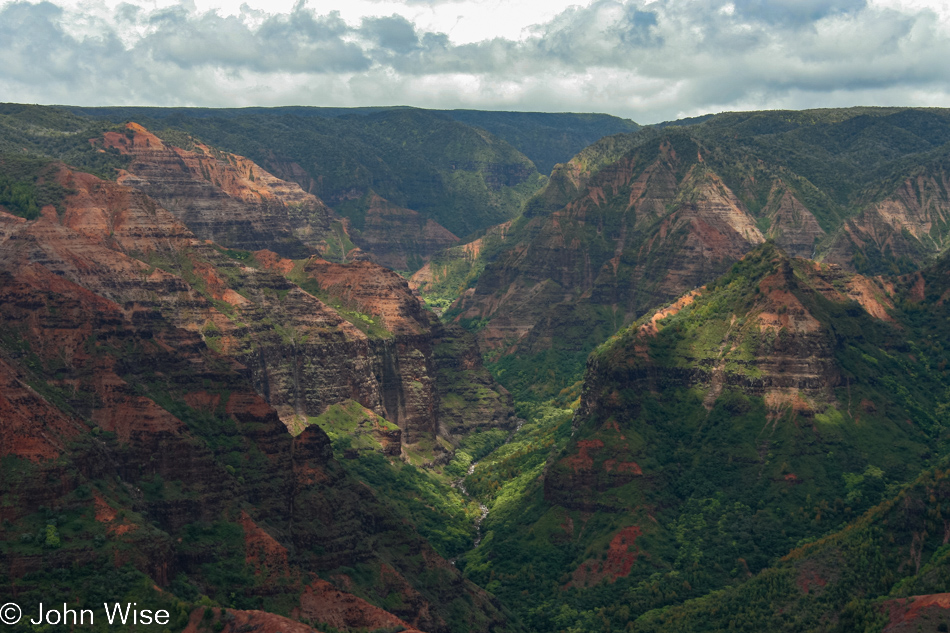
(575, 279)
(765, 456)
(438, 511)
(54, 133)
(546, 138)
(28, 184)
(843, 581)
(462, 177)
(728, 487)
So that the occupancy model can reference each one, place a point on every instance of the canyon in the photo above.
(372, 371)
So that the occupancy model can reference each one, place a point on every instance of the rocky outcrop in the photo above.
(641, 232)
(376, 346)
(792, 226)
(412, 370)
(900, 232)
(322, 602)
(125, 403)
(770, 341)
(223, 197)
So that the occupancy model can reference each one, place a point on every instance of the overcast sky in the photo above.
(646, 60)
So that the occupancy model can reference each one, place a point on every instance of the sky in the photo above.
(648, 60)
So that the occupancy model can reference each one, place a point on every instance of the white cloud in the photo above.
(647, 60)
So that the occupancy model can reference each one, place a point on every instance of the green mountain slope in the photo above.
(769, 408)
(635, 220)
(545, 138)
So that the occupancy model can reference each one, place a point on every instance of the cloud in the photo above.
(647, 60)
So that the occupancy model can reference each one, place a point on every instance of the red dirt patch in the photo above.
(322, 602)
(246, 404)
(622, 467)
(918, 291)
(235, 621)
(618, 563)
(650, 328)
(782, 309)
(203, 401)
(30, 427)
(262, 551)
(809, 579)
(272, 261)
(106, 514)
(583, 461)
(918, 613)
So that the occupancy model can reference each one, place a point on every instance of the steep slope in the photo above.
(375, 344)
(887, 571)
(181, 467)
(395, 237)
(122, 330)
(897, 233)
(715, 434)
(223, 197)
(635, 220)
(641, 231)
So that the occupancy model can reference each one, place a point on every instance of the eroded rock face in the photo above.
(640, 233)
(223, 197)
(121, 341)
(768, 345)
(402, 374)
(793, 227)
(898, 233)
(759, 388)
(400, 238)
(298, 352)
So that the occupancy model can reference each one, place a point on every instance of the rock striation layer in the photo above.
(223, 197)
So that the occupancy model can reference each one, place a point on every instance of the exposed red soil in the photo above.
(373, 290)
(30, 427)
(262, 551)
(247, 404)
(322, 602)
(918, 290)
(782, 309)
(808, 580)
(872, 298)
(394, 234)
(203, 401)
(618, 563)
(582, 460)
(235, 621)
(106, 514)
(309, 475)
(650, 328)
(235, 175)
(622, 467)
(272, 261)
(918, 613)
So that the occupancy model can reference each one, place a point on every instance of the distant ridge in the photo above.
(546, 138)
